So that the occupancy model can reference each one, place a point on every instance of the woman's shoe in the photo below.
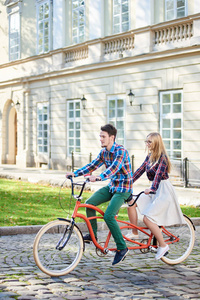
(161, 252)
(132, 236)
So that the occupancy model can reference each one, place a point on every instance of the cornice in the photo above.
(121, 62)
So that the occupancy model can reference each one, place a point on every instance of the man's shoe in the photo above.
(162, 251)
(119, 256)
(87, 238)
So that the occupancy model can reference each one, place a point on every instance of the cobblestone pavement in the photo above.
(138, 277)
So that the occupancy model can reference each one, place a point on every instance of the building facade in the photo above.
(69, 66)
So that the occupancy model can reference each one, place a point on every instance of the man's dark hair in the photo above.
(110, 129)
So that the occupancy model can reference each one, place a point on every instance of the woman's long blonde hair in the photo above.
(157, 149)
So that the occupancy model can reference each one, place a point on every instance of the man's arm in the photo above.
(89, 168)
(116, 165)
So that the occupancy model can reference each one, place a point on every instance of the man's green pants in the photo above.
(116, 200)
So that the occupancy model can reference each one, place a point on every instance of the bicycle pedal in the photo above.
(88, 242)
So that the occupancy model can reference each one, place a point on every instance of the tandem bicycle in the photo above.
(58, 246)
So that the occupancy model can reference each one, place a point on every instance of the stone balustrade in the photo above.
(176, 35)
(78, 53)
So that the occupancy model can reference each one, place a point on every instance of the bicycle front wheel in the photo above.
(181, 240)
(48, 257)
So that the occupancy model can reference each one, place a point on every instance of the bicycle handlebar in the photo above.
(70, 177)
(137, 196)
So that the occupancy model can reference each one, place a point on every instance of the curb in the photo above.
(33, 229)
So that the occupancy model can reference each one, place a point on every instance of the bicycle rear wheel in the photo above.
(181, 240)
(52, 261)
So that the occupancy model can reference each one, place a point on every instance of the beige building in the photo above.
(137, 64)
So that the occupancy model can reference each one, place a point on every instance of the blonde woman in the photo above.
(162, 207)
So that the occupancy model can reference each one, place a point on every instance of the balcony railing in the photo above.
(160, 37)
(119, 44)
(177, 35)
(76, 54)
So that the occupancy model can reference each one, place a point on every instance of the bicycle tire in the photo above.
(55, 262)
(179, 251)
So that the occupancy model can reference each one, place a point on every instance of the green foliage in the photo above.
(24, 203)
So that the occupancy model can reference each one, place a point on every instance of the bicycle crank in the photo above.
(106, 251)
(145, 250)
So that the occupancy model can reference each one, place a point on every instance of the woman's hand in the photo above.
(147, 191)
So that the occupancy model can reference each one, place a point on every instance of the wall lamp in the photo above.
(131, 97)
(83, 101)
(17, 105)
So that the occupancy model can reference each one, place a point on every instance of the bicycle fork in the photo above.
(63, 242)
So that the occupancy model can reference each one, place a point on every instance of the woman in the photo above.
(162, 207)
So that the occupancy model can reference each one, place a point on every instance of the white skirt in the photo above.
(161, 208)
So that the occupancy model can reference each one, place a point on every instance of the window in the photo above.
(43, 128)
(116, 117)
(171, 119)
(14, 36)
(74, 126)
(43, 26)
(78, 21)
(120, 16)
(175, 9)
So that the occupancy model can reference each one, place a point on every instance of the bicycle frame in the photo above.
(138, 245)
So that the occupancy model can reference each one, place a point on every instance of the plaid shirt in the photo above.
(155, 172)
(118, 168)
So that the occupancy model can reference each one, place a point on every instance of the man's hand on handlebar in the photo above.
(93, 178)
(69, 174)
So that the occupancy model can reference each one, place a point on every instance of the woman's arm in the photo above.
(161, 170)
(138, 173)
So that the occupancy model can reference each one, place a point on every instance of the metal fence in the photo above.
(185, 172)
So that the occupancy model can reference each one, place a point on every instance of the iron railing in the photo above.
(185, 172)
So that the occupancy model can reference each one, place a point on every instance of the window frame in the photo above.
(120, 17)
(78, 26)
(114, 120)
(175, 10)
(38, 4)
(12, 10)
(172, 116)
(41, 105)
(73, 119)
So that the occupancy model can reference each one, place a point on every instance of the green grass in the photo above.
(24, 203)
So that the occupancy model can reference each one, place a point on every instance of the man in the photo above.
(118, 168)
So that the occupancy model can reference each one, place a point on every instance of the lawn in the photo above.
(24, 203)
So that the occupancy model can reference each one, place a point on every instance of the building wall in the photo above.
(146, 68)
(146, 79)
